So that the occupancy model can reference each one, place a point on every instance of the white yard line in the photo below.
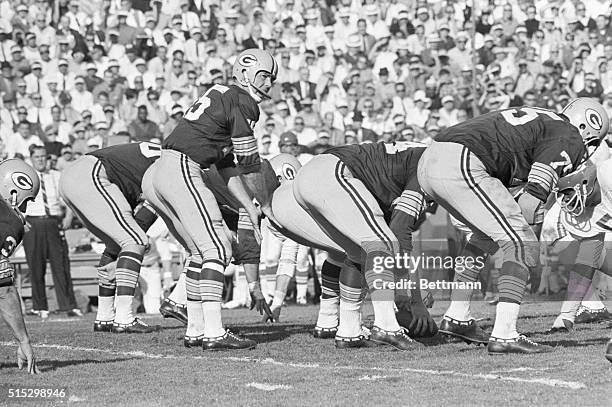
(269, 361)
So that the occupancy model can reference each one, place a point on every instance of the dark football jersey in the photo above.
(389, 172)
(526, 144)
(218, 123)
(11, 228)
(125, 165)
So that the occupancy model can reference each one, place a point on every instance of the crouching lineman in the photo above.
(19, 184)
(582, 212)
(365, 185)
(293, 226)
(218, 124)
(468, 169)
(103, 188)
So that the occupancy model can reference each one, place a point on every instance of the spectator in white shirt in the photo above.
(34, 80)
(448, 113)
(21, 141)
(81, 98)
(38, 113)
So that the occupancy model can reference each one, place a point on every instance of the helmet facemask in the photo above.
(573, 200)
(256, 93)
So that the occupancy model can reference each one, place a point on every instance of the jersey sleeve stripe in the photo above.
(543, 175)
(411, 203)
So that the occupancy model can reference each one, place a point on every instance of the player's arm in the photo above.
(237, 188)
(408, 214)
(10, 311)
(552, 160)
(247, 155)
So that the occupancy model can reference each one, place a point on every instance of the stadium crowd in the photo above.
(80, 75)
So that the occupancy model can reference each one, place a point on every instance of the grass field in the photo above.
(290, 367)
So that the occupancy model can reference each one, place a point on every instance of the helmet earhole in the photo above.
(582, 126)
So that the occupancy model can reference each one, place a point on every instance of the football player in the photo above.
(582, 212)
(468, 170)
(218, 123)
(272, 246)
(366, 185)
(19, 184)
(103, 188)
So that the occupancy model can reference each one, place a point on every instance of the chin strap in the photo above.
(255, 93)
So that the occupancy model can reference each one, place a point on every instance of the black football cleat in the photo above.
(227, 341)
(324, 333)
(135, 327)
(170, 309)
(398, 339)
(103, 326)
(468, 331)
(519, 344)
(568, 326)
(609, 351)
(343, 342)
(588, 316)
(193, 341)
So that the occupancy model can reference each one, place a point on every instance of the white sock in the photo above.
(459, 307)
(241, 288)
(384, 315)
(568, 312)
(505, 320)
(350, 319)
(328, 312)
(213, 326)
(195, 318)
(124, 312)
(106, 309)
(301, 289)
(179, 294)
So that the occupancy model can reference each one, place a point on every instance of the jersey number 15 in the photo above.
(198, 107)
(528, 114)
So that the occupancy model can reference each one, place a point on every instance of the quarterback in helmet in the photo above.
(19, 184)
(216, 129)
(469, 168)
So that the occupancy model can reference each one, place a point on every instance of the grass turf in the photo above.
(289, 366)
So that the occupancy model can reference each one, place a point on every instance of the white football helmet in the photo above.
(580, 189)
(19, 183)
(248, 64)
(590, 118)
(574, 191)
(285, 166)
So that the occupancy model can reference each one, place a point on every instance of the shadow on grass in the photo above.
(50, 365)
(576, 343)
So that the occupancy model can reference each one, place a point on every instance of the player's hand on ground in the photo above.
(422, 323)
(25, 357)
(258, 301)
(275, 316)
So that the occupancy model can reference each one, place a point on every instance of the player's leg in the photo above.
(463, 186)
(187, 291)
(328, 319)
(271, 250)
(301, 274)
(348, 213)
(195, 206)
(587, 261)
(106, 213)
(592, 309)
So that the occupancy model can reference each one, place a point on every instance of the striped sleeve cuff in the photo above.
(543, 175)
(411, 203)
